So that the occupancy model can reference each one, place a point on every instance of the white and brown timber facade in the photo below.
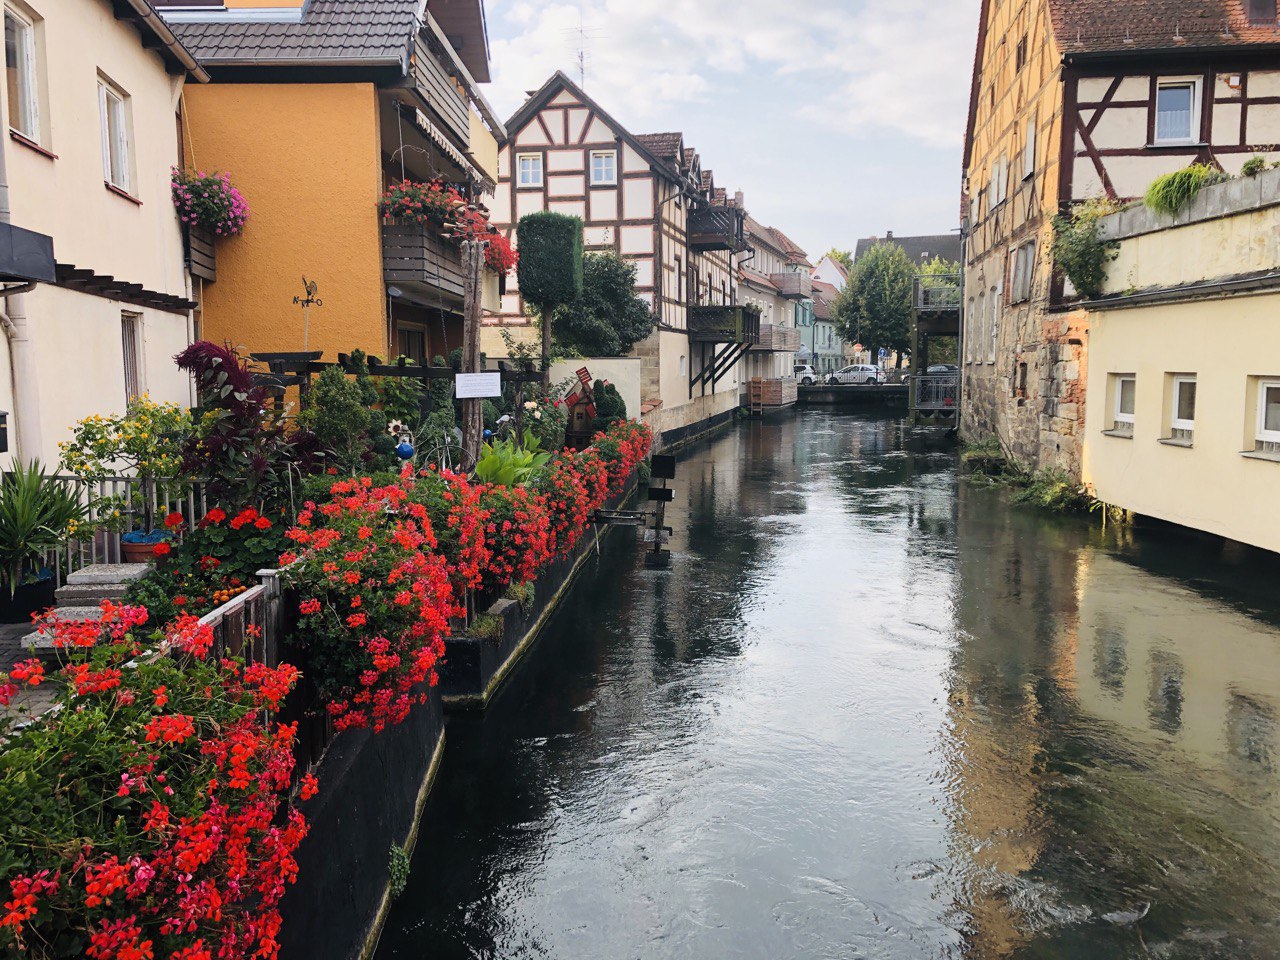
(647, 199)
(1074, 100)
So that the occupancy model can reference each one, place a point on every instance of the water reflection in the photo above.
(869, 712)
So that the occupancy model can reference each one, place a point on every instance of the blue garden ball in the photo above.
(404, 450)
(488, 434)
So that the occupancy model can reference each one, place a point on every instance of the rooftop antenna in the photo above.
(579, 39)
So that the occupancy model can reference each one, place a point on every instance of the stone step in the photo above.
(86, 595)
(42, 644)
(109, 573)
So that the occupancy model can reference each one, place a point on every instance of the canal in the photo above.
(870, 711)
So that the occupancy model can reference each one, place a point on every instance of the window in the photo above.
(1262, 11)
(1125, 387)
(679, 281)
(993, 330)
(413, 343)
(1182, 418)
(1022, 268)
(1178, 111)
(529, 169)
(113, 107)
(969, 332)
(1269, 412)
(20, 74)
(1020, 54)
(130, 324)
(604, 166)
(999, 181)
(980, 328)
(1029, 150)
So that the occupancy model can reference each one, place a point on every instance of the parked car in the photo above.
(939, 368)
(857, 373)
(806, 374)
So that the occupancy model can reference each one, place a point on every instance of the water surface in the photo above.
(870, 711)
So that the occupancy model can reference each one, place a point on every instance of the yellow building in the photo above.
(1074, 100)
(1184, 371)
(90, 90)
(314, 108)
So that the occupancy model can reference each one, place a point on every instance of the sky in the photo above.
(838, 119)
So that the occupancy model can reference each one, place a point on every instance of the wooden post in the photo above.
(472, 410)
(545, 311)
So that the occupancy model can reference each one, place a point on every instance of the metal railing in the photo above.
(938, 291)
(937, 392)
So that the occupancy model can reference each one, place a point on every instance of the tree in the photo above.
(550, 269)
(874, 309)
(842, 257)
(608, 318)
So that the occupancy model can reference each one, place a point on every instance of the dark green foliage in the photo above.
(353, 436)
(875, 308)
(550, 268)
(610, 407)
(608, 318)
(1254, 165)
(1079, 250)
(1173, 191)
(37, 513)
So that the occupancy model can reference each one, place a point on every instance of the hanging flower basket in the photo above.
(209, 202)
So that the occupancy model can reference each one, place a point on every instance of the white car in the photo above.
(857, 373)
(806, 374)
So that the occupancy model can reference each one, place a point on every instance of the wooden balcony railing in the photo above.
(776, 339)
(412, 253)
(793, 286)
(716, 228)
(938, 293)
(724, 324)
(441, 92)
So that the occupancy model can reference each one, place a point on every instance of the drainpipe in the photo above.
(22, 368)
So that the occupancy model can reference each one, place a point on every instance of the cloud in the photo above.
(851, 67)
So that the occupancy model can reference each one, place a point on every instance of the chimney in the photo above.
(737, 199)
(888, 234)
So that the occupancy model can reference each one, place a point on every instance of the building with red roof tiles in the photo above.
(1074, 100)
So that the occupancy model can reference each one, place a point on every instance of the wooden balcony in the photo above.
(776, 339)
(936, 301)
(418, 255)
(724, 324)
(793, 286)
(771, 394)
(440, 91)
(716, 228)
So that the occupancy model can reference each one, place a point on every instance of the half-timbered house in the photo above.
(770, 277)
(1074, 100)
(647, 199)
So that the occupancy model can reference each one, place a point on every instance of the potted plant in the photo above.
(37, 514)
(209, 202)
(146, 441)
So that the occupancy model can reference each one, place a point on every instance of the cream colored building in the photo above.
(1074, 100)
(768, 279)
(1184, 372)
(91, 99)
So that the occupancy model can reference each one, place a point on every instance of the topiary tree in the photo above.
(610, 407)
(550, 268)
(608, 318)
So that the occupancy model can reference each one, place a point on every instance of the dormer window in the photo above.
(1262, 11)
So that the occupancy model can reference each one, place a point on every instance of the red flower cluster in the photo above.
(439, 204)
(196, 847)
(378, 599)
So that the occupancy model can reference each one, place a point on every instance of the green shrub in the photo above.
(398, 866)
(1254, 165)
(1057, 491)
(550, 268)
(487, 626)
(1173, 191)
(610, 407)
(1078, 248)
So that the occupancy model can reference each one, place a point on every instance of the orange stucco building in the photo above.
(313, 109)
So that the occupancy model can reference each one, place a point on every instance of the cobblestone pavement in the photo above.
(32, 701)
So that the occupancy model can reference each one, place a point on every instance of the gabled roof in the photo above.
(667, 147)
(757, 279)
(765, 235)
(331, 32)
(824, 297)
(1139, 26)
(839, 267)
(795, 253)
(559, 81)
(917, 249)
(157, 33)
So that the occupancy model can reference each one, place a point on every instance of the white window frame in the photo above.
(1022, 272)
(113, 104)
(969, 332)
(1263, 434)
(521, 182)
(1029, 151)
(131, 354)
(981, 337)
(1175, 422)
(993, 329)
(1196, 85)
(28, 70)
(612, 156)
(1118, 415)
